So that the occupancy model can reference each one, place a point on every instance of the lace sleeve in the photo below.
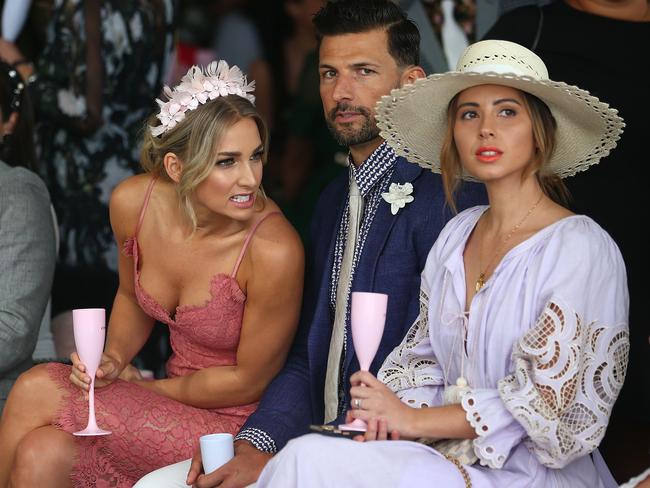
(411, 370)
(567, 375)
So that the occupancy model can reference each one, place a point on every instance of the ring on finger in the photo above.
(357, 403)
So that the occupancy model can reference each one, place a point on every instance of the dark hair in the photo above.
(18, 148)
(356, 16)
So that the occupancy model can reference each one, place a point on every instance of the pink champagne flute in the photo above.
(367, 320)
(89, 333)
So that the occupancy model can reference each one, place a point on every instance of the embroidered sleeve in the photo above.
(496, 429)
(567, 375)
(411, 370)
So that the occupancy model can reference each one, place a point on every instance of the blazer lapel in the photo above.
(321, 323)
(382, 225)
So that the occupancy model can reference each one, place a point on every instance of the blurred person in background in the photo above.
(312, 157)
(93, 86)
(27, 242)
(237, 40)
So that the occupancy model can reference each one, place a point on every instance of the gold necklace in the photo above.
(481, 277)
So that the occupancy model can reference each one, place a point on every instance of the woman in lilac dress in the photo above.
(510, 373)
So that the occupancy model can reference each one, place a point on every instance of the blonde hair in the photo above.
(544, 140)
(195, 141)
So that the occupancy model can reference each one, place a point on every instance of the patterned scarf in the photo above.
(372, 177)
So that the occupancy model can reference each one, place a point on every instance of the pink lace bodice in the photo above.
(201, 335)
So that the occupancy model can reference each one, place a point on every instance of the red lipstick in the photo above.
(488, 154)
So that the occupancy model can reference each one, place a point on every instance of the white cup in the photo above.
(216, 450)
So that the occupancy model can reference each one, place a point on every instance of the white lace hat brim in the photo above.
(413, 119)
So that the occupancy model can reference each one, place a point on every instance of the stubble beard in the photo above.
(346, 134)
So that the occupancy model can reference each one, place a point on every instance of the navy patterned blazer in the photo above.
(393, 257)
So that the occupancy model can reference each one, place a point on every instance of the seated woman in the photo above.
(204, 252)
(509, 375)
(27, 242)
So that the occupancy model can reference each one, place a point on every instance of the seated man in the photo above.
(27, 246)
(360, 241)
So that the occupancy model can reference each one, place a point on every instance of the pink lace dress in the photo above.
(150, 431)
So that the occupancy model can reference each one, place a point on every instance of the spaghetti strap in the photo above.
(247, 241)
(145, 203)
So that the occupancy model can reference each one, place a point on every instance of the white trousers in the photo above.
(172, 476)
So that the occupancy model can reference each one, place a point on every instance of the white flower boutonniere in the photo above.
(398, 196)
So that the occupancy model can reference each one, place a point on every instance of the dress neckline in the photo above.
(523, 246)
(131, 245)
(181, 309)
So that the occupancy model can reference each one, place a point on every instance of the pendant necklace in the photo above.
(481, 276)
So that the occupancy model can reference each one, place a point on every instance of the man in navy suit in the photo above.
(360, 243)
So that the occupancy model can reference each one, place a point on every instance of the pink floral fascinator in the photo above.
(198, 86)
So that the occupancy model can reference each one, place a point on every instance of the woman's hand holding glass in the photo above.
(387, 416)
(109, 369)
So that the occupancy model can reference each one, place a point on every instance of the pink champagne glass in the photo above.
(367, 320)
(89, 333)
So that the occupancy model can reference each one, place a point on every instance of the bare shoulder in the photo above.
(276, 242)
(129, 194)
(126, 202)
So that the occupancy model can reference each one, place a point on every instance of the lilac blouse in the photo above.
(546, 347)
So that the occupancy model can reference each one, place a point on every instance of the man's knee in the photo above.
(172, 476)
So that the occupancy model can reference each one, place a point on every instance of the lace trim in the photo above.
(567, 376)
(404, 368)
(260, 439)
(91, 451)
(149, 430)
(127, 246)
(484, 450)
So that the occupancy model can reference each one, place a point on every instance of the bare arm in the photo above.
(129, 326)
(274, 292)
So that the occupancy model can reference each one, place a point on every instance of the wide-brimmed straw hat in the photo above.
(413, 118)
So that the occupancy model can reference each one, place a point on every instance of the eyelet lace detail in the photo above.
(485, 450)
(567, 376)
(139, 419)
(404, 369)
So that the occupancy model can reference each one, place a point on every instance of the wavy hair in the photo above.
(195, 141)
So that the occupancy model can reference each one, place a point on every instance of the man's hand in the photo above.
(240, 471)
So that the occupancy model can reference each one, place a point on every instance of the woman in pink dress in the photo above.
(205, 252)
